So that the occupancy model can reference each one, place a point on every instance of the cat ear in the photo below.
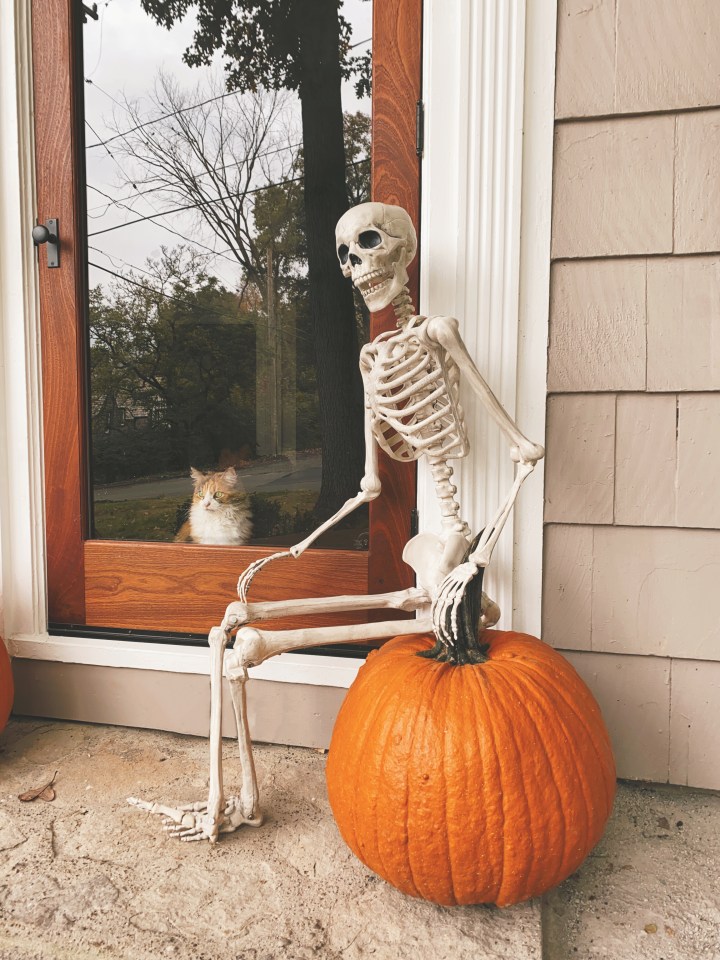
(230, 476)
(196, 475)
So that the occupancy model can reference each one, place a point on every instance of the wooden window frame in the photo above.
(181, 588)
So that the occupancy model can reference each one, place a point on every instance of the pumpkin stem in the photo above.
(458, 637)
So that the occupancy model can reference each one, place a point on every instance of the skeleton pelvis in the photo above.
(433, 557)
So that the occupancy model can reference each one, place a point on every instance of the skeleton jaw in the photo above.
(380, 287)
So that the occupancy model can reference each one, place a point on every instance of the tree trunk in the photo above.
(331, 299)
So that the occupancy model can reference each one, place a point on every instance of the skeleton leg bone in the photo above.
(238, 613)
(199, 821)
(206, 821)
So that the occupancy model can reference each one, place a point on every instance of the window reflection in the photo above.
(225, 400)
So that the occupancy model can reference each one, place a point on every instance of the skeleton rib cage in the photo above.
(412, 394)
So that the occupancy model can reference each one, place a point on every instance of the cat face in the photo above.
(214, 490)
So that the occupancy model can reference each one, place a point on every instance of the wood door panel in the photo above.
(397, 32)
(146, 586)
(56, 157)
(131, 585)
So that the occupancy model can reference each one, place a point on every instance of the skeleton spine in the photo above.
(403, 307)
(449, 507)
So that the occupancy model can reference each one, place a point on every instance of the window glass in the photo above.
(222, 341)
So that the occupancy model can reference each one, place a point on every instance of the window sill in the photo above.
(170, 658)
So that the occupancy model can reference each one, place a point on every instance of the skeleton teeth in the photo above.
(365, 284)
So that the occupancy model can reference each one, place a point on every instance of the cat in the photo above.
(219, 513)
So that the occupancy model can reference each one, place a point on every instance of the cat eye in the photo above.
(218, 496)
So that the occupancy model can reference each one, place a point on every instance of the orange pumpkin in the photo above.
(6, 686)
(480, 783)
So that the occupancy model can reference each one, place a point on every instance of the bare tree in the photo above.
(218, 153)
(210, 152)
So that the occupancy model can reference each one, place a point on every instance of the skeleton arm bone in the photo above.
(369, 489)
(444, 330)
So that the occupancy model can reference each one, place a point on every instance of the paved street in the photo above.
(264, 477)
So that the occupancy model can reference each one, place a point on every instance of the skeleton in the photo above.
(411, 377)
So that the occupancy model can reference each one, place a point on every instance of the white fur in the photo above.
(220, 523)
(227, 524)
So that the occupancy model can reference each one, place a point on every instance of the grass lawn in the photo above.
(159, 518)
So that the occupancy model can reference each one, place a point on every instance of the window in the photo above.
(95, 578)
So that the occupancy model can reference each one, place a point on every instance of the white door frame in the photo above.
(489, 71)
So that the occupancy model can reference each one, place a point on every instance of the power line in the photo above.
(203, 203)
(163, 226)
(109, 152)
(205, 173)
(127, 263)
(174, 113)
(166, 116)
(157, 293)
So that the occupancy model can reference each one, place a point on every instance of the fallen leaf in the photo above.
(663, 822)
(650, 928)
(45, 792)
(669, 931)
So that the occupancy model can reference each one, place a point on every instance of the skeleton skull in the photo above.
(375, 242)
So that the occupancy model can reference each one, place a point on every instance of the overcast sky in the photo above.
(124, 51)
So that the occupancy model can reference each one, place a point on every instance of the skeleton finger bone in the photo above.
(249, 574)
(446, 606)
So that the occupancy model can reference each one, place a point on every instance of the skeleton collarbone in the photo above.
(412, 394)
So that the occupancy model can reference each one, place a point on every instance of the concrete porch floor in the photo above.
(87, 877)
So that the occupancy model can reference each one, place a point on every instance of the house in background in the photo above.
(569, 160)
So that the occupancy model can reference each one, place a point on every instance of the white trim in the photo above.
(475, 260)
(476, 265)
(23, 589)
(286, 668)
(539, 126)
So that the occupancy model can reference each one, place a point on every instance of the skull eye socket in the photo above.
(343, 253)
(369, 239)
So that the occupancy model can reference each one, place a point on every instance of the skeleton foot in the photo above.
(191, 821)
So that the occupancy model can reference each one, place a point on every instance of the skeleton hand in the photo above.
(248, 575)
(456, 613)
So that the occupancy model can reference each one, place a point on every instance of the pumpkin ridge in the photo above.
(518, 882)
(603, 752)
(387, 728)
(487, 724)
(472, 765)
(429, 711)
(544, 705)
(530, 782)
(446, 781)
(491, 729)
(352, 766)
(576, 752)
(417, 703)
(407, 670)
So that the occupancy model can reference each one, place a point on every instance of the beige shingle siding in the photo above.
(632, 544)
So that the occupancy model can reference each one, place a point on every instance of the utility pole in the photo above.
(274, 394)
